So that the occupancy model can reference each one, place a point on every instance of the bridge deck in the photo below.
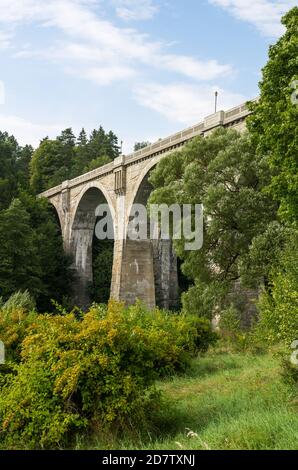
(221, 118)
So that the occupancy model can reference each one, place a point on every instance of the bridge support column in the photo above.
(145, 270)
(165, 274)
(81, 252)
(133, 276)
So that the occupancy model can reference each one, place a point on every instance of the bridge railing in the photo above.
(221, 118)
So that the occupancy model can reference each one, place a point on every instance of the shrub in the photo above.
(279, 307)
(16, 314)
(290, 372)
(19, 300)
(232, 334)
(95, 372)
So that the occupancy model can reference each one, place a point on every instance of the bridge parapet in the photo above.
(229, 118)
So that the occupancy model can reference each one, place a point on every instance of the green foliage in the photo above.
(55, 275)
(279, 307)
(48, 165)
(19, 268)
(14, 168)
(31, 252)
(103, 252)
(264, 254)
(203, 299)
(230, 322)
(66, 157)
(223, 173)
(141, 145)
(19, 300)
(274, 120)
(224, 401)
(16, 315)
(290, 373)
(234, 335)
(31, 249)
(94, 373)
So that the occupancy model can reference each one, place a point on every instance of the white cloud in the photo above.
(135, 10)
(109, 48)
(5, 39)
(201, 70)
(27, 131)
(265, 15)
(184, 103)
(107, 74)
(97, 50)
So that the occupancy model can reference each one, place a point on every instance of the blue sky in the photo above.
(143, 68)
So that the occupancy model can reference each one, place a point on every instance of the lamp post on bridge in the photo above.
(216, 98)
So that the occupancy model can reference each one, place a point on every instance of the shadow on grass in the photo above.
(204, 366)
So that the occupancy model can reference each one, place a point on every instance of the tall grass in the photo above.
(225, 401)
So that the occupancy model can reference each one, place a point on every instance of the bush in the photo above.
(279, 307)
(19, 301)
(290, 373)
(16, 314)
(97, 372)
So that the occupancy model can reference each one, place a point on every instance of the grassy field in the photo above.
(225, 401)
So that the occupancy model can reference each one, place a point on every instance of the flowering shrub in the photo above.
(94, 372)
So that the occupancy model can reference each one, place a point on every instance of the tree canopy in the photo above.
(66, 157)
(273, 123)
(223, 172)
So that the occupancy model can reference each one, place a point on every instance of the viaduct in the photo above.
(142, 269)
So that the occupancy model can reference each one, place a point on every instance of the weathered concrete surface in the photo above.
(147, 271)
(137, 273)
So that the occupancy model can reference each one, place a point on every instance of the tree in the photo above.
(275, 116)
(48, 166)
(24, 157)
(8, 153)
(141, 145)
(279, 307)
(82, 139)
(31, 252)
(55, 274)
(14, 168)
(102, 270)
(102, 144)
(20, 268)
(114, 149)
(223, 173)
(66, 157)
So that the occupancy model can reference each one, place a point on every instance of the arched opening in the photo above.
(92, 243)
(169, 281)
(55, 275)
(56, 216)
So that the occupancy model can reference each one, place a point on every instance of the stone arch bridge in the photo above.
(144, 269)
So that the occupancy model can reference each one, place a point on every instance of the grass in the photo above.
(225, 401)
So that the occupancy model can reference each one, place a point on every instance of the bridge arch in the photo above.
(101, 189)
(143, 176)
(56, 208)
(82, 238)
(150, 264)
